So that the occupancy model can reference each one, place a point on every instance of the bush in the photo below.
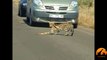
(86, 13)
(88, 3)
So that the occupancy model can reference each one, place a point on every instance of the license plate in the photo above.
(56, 16)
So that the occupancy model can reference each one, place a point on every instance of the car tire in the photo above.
(20, 12)
(75, 25)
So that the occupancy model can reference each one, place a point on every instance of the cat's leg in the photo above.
(52, 31)
(56, 32)
(66, 32)
(72, 31)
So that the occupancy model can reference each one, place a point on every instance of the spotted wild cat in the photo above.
(57, 27)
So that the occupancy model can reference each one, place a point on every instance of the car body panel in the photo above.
(22, 8)
(56, 2)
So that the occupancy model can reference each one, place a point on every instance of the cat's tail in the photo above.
(45, 33)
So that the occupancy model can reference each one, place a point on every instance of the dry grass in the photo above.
(16, 2)
(86, 17)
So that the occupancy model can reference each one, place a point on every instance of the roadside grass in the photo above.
(86, 17)
(86, 13)
(16, 2)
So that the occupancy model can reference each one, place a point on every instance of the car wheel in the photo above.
(75, 25)
(20, 13)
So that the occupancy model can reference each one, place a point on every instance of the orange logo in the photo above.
(101, 52)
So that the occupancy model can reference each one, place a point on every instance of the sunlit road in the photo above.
(29, 45)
